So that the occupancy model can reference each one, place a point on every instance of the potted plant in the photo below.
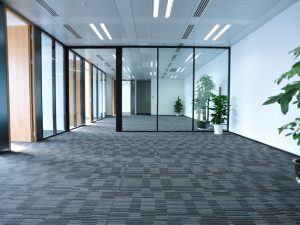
(290, 95)
(204, 87)
(178, 106)
(219, 112)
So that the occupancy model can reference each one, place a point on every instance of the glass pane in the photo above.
(175, 87)
(88, 93)
(47, 86)
(211, 76)
(104, 94)
(99, 94)
(139, 89)
(95, 100)
(72, 106)
(60, 88)
(78, 91)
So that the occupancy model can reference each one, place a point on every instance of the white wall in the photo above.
(257, 61)
(217, 68)
(126, 97)
(169, 90)
(109, 95)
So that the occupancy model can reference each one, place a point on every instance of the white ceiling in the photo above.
(102, 58)
(130, 22)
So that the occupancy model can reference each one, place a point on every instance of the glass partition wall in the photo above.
(163, 88)
(139, 89)
(76, 91)
(53, 86)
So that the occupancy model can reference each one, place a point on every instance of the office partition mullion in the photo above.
(54, 87)
(193, 100)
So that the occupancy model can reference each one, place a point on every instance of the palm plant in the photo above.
(178, 105)
(290, 95)
(219, 109)
(204, 87)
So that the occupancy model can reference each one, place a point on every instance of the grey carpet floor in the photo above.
(93, 175)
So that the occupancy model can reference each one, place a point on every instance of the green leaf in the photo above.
(273, 99)
(296, 67)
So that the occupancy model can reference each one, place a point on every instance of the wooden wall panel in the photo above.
(88, 93)
(71, 95)
(78, 93)
(19, 83)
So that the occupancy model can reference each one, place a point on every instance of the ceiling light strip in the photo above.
(213, 30)
(155, 8)
(188, 58)
(105, 31)
(222, 32)
(169, 8)
(96, 30)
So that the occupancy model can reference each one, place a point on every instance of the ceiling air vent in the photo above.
(72, 31)
(100, 57)
(47, 7)
(174, 57)
(201, 7)
(173, 70)
(188, 31)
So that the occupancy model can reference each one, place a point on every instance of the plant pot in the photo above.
(218, 128)
(202, 124)
(297, 169)
(177, 113)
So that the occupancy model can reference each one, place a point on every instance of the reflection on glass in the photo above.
(78, 70)
(175, 83)
(60, 88)
(139, 89)
(95, 95)
(104, 94)
(211, 76)
(99, 94)
(47, 86)
(88, 93)
(72, 90)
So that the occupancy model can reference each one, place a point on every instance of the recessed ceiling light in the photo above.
(123, 59)
(222, 32)
(96, 30)
(105, 31)
(169, 8)
(215, 28)
(178, 69)
(132, 76)
(151, 64)
(114, 56)
(183, 69)
(188, 58)
(156, 64)
(197, 56)
(155, 8)
(128, 70)
(150, 73)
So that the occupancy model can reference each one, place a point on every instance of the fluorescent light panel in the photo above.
(188, 58)
(151, 64)
(128, 70)
(96, 30)
(215, 28)
(169, 8)
(105, 31)
(155, 8)
(178, 69)
(222, 32)
(114, 56)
